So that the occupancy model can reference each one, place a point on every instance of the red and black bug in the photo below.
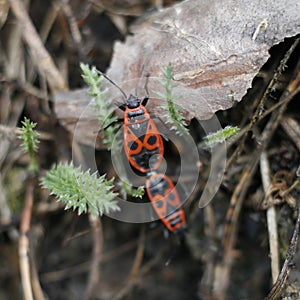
(143, 144)
(166, 202)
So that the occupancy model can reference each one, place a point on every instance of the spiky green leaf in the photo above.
(215, 138)
(172, 114)
(102, 103)
(80, 190)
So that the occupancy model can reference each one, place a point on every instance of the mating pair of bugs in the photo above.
(144, 149)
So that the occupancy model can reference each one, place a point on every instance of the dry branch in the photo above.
(277, 287)
(94, 275)
(40, 55)
(24, 243)
(135, 269)
(271, 218)
(223, 269)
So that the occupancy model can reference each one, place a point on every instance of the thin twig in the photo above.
(223, 270)
(74, 29)
(292, 128)
(49, 20)
(286, 268)
(24, 243)
(94, 275)
(139, 256)
(40, 55)
(85, 266)
(266, 135)
(271, 218)
(13, 61)
(280, 69)
(205, 285)
(284, 100)
(36, 286)
(144, 270)
(259, 110)
(134, 272)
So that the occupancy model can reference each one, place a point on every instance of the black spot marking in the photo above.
(159, 204)
(152, 140)
(132, 145)
(171, 197)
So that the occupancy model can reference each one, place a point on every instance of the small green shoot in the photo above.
(103, 105)
(128, 189)
(172, 115)
(30, 143)
(80, 190)
(213, 139)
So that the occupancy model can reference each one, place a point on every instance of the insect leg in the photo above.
(119, 120)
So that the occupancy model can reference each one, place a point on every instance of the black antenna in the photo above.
(146, 84)
(113, 83)
(138, 81)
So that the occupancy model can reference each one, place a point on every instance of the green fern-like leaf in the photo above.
(80, 190)
(172, 114)
(129, 190)
(102, 104)
(215, 138)
(92, 79)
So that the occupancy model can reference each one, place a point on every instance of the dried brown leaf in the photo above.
(215, 50)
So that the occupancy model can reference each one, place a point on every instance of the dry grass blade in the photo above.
(74, 29)
(292, 128)
(40, 55)
(24, 244)
(94, 275)
(135, 270)
(223, 270)
(271, 218)
(259, 109)
(279, 284)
